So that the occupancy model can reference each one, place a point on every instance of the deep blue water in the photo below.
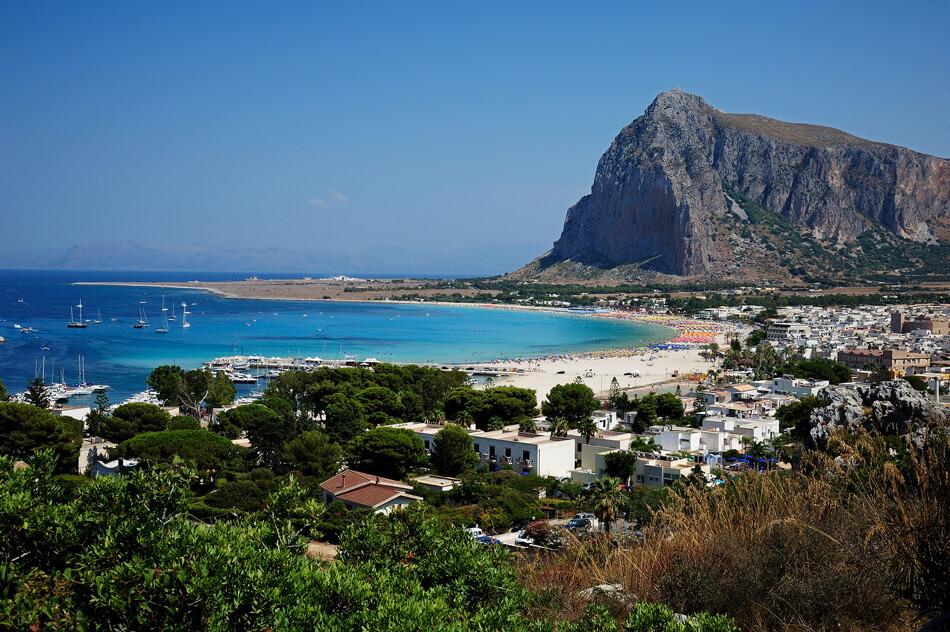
(120, 356)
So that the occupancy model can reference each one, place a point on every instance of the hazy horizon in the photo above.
(398, 136)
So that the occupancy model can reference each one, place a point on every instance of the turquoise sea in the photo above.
(120, 356)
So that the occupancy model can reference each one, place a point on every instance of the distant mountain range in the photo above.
(689, 192)
(132, 256)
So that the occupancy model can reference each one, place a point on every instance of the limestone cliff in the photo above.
(691, 191)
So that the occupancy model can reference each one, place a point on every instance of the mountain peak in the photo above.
(691, 191)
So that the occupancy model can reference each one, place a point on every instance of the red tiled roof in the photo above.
(348, 480)
(374, 495)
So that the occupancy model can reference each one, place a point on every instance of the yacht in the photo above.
(164, 328)
(76, 324)
(241, 378)
(184, 316)
(98, 320)
(142, 322)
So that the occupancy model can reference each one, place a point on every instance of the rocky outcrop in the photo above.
(663, 188)
(889, 408)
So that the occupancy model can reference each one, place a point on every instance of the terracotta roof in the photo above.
(374, 495)
(348, 480)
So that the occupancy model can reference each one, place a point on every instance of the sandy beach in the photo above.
(633, 368)
(598, 370)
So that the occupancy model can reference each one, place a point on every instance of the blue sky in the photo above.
(433, 127)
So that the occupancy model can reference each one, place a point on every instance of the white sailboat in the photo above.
(76, 324)
(98, 320)
(172, 316)
(184, 316)
(142, 322)
(164, 328)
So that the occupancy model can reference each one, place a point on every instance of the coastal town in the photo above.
(732, 379)
(474, 317)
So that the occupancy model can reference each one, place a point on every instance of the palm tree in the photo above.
(609, 501)
(527, 425)
(587, 428)
(559, 427)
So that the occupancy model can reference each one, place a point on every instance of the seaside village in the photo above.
(728, 399)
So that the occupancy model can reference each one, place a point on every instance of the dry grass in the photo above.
(859, 542)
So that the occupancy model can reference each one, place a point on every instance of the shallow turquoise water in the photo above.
(118, 355)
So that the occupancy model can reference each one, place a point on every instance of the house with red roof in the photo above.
(358, 490)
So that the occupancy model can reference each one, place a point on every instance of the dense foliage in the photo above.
(205, 450)
(453, 451)
(25, 428)
(129, 420)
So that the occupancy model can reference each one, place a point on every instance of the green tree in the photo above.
(608, 501)
(646, 412)
(574, 402)
(4, 396)
(37, 394)
(129, 420)
(669, 406)
(588, 428)
(795, 417)
(313, 454)
(344, 418)
(205, 450)
(641, 444)
(381, 404)
(386, 451)
(917, 382)
(168, 382)
(620, 464)
(97, 415)
(266, 431)
(222, 391)
(180, 422)
(25, 428)
(203, 389)
(458, 402)
(453, 451)
(559, 426)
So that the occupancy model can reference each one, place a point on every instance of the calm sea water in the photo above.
(120, 356)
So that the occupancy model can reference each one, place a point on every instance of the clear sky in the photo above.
(429, 126)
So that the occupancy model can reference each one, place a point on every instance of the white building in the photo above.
(537, 453)
(797, 386)
(666, 470)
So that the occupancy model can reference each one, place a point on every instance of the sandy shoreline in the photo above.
(597, 369)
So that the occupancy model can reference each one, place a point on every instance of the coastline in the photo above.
(634, 368)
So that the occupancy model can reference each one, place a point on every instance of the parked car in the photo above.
(579, 525)
(475, 532)
(487, 539)
(523, 540)
(589, 516)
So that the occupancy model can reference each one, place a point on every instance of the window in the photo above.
(427, 444)
(526, 455)
(476, 447)
(507, 451)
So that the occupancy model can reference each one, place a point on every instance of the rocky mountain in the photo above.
(689, 191)
(888, 408)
